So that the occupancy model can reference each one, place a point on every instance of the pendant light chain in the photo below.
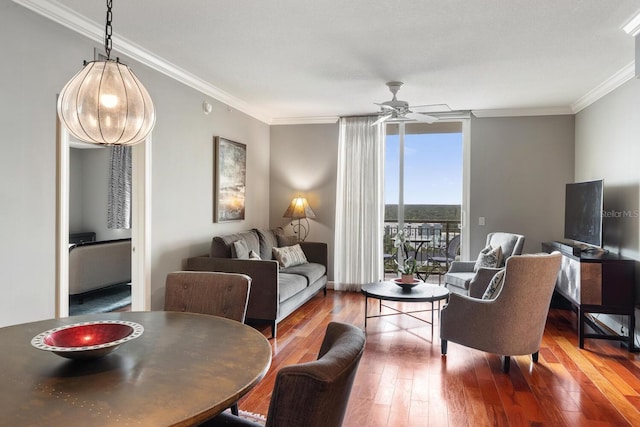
(108, 31)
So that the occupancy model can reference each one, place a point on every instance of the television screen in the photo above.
(583, 212)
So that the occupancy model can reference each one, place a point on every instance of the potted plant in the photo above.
(409, 265)
(407, 269)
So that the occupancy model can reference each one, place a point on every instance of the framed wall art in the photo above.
(230, 180)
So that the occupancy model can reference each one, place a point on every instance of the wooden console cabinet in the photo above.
(596, 283)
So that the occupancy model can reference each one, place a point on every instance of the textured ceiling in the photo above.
(314, 58)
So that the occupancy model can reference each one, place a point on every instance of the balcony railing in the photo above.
(426, 239)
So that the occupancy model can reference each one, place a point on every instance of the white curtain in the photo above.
(359, 204)
(119, 206)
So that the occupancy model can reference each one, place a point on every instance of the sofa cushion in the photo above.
(287, 240)
(240, 250)
(268, 239)
(221, 245)
(290, 285)
(310, 271)
(460, 280)
(290, 256)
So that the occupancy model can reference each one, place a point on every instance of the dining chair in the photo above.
(206, 292)
(509, 320)
(312, 394)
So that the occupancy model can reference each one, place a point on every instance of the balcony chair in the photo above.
(439, 263)
(511, 321)
(217, 294)
(313, 394)
(461, 273)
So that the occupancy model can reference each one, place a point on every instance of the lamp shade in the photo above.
(299, 208)
(106, 104)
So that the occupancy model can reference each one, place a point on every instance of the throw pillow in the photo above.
(494, 285)
(489, 257)
(286, 240)
(289, 256)
(253, 255)
(239, 250)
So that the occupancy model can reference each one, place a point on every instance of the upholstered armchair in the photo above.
(461, 273)
(312, 394)
(511, 322)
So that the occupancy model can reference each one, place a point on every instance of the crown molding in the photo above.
(81, 25)
(521, 112)
(609, 85)
(304, 120)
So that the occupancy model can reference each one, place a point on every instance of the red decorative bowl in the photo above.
(87, 340)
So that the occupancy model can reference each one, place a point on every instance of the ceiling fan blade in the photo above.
(430, 108)
(386, 107)
(421, 117)
(381, 119)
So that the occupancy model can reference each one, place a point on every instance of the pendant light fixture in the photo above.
(105, 103)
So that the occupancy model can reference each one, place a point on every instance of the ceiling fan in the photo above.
(400, 111)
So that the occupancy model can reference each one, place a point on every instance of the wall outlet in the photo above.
(481, 221)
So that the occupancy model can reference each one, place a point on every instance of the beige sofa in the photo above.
(96, 265)
(275, 292)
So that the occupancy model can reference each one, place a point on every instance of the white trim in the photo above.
(609, 85)
(62, 221)
(465, 234)
(304, 120)
(521, 112)
(78, 23)
(141, 227)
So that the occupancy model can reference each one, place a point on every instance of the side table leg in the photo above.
(632, 330)
(366, 312)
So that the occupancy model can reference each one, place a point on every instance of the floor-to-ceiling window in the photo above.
(423, 187)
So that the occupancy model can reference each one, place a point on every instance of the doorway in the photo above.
(140, 234)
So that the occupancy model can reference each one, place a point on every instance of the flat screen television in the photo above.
(583, 212)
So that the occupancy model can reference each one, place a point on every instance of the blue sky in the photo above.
(433, 169)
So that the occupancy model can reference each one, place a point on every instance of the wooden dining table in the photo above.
(185, 368)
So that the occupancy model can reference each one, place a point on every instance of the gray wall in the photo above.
(607, 146)
(44, 56)
(519, 166)
(303, 161)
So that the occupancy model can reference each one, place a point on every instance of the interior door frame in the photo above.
(141, 224)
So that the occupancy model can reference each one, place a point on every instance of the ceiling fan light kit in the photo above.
(396, 111)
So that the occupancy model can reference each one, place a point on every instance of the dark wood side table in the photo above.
(184, 369)
(389, 291)
(597, 283)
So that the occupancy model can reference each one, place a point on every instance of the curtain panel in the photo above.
(119, 202)
(359, 204)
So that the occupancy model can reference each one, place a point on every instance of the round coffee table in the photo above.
(390, 291)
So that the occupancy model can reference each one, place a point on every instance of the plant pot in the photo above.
(406, 278)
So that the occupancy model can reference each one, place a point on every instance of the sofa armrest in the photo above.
(462, 267)
(315, 252)
(263, 296)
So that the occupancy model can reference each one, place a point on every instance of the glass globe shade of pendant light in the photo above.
(106, 104)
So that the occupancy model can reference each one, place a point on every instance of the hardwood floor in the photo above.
(404, 381)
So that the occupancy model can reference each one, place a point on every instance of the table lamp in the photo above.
(299, 209)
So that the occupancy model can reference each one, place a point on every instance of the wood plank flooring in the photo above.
(404, 381)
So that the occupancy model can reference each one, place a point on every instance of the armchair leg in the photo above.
(325, 291)
(506, 364)
(443, 347)
(234, 409)
(534, 357)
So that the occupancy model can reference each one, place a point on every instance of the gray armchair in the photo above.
(313, 394)
(513, 322)
(461, 273)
